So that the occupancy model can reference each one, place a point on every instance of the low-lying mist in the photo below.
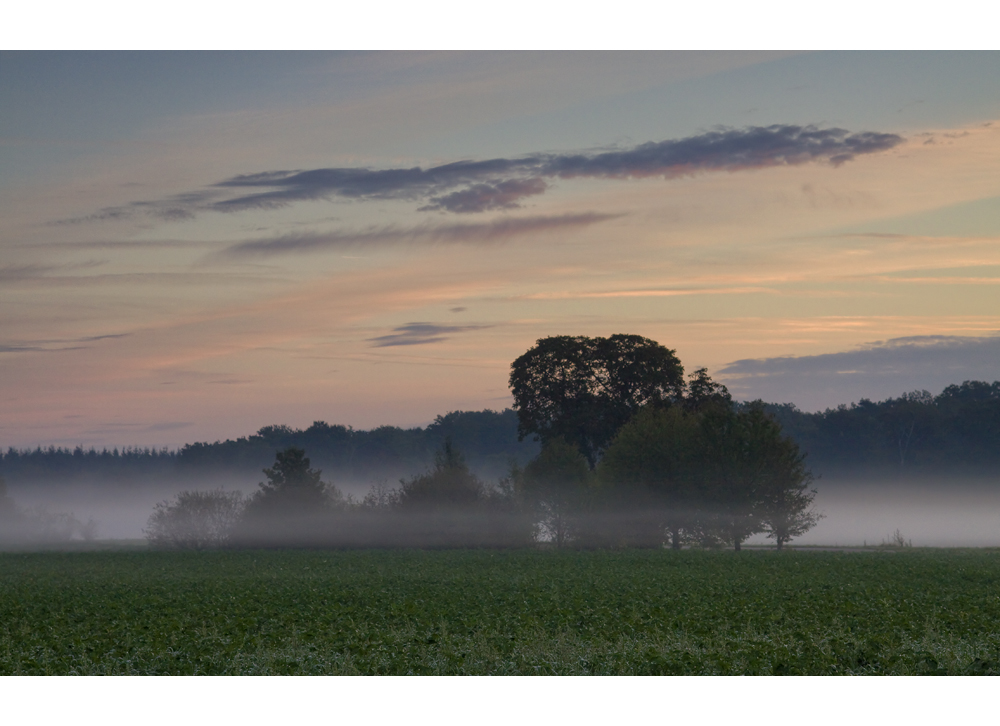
(927, 513)
(120, 510)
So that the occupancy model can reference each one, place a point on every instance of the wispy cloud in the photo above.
(169, 426)
(23, 273)
(16, 273)
(652, 292)
(469, 186)
(420, 334)
(874, 370)
(175, 208)
(468, 233)
(117, 244)
(55, 344)
(168, 279)
(482, 197)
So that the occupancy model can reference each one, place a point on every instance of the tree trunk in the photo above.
(675, 538)
(737, 541)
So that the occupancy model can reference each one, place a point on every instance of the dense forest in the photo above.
(956, 432)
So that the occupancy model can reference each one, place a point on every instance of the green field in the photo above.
(500, 612)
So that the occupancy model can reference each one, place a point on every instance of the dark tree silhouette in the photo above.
(756, 480)
(712, 474)
(703, 392)
(448, 485)
(585, 389)
(292, 487)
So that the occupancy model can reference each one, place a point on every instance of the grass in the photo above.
(500, 612)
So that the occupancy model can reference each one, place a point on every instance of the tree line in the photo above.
(956, 433)
(632, 454)
(488, 438)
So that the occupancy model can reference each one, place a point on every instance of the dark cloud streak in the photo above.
(502, 183)
(46, 346)
(468, 187)
(484, 197)
(420, 334)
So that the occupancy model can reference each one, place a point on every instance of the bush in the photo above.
(195, 520)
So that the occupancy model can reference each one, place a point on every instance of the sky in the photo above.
(194, 245)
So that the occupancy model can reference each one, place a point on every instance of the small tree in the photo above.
(195, 520)
(292, 488)
(755, 477)
(556, 483)
(786, 499)
(790, 515)
(449, 484)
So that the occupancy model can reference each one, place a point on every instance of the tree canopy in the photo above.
(585, 389)
(714, 474)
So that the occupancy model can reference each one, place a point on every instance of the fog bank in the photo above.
(930, 513)
(122, 509)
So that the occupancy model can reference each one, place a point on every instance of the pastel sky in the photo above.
(195, 245)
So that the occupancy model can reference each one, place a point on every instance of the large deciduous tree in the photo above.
(585, 389)
(709, 474)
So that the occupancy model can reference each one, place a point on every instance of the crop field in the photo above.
(500, 612)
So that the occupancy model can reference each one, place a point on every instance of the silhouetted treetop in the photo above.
(292, 486)
(702, 392)
(585, 389)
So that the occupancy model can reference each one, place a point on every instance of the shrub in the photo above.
(195, 520)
